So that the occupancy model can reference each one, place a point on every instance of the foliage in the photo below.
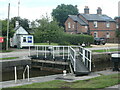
(75, 39)
(47, 31)
(4, 28)
(23, 22)
(45, 43)
(117, 33)
(62, 11)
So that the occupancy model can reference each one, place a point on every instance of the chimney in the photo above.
(99, 10)
(16, 24)
(86, 10)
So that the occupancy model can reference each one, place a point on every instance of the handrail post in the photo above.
(45, 51)
(29, 50)
(68, 52)
(37, 51)
(63, 52)
(28, 72)
(74, 61)
(53, 52)
(15, 74)
(90, 60)
(83, 55)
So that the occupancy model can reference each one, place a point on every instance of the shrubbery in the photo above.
(76, 39)
(68, 39)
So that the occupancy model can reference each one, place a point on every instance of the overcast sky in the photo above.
(34, 9)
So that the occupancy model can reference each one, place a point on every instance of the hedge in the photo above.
(76, 39)
(67, 39)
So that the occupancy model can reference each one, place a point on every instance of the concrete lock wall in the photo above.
(8, 65)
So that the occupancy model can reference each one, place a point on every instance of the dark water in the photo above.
(33, 73)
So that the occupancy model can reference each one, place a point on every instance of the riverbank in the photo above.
(67, 78)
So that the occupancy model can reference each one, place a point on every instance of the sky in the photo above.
(36, 9)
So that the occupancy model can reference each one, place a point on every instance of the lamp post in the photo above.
(8, 27)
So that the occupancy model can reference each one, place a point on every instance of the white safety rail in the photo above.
(72, 52)
(28, 73)
(73, 57)
(85, 56)
(26, 68)
(45, 50)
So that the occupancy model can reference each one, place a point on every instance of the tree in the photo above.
(23, 22)
(62, 11)
(4, 28)
(47, 31)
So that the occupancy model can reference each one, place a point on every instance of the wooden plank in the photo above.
(51, 62)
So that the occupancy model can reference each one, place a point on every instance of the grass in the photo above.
(3, 51)
(98, 82)
(45, 44)
(103, 50)
(8, 58)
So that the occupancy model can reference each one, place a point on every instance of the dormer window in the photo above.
(95, 23)
(69, 25)
(107, 24)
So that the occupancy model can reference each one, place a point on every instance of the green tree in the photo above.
(4, 28)
(47, 31)
(23, 22)
(62, 11)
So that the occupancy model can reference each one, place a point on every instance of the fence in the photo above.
(71, 52)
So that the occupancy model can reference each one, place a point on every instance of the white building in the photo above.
(21, 37)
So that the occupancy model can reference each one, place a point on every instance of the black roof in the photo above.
(97, 17)
(78, 19)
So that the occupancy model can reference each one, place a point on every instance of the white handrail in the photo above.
(15, 74)
(26, 68)
(71, 51)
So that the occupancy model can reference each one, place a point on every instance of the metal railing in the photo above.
(70, 51)
(26, 68)
(73, 57)
(85, 56)
(46, 49)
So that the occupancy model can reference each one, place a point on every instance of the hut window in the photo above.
(24, 39)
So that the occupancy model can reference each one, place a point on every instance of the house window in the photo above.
(95, 34)
(107, 35)
(86, 27)
(69, 25)
(95, 23)
(107, 24)
(29, 39)
(24, 39)
(117, 26)
(73, 26)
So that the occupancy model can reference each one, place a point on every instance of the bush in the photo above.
(76, 39)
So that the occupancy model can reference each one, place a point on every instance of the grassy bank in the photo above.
(103, 50)
(98, 82)
(45, 44)
(4, 51)
(8, 58)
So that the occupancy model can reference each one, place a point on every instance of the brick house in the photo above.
(118, 22)
(97, 25)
